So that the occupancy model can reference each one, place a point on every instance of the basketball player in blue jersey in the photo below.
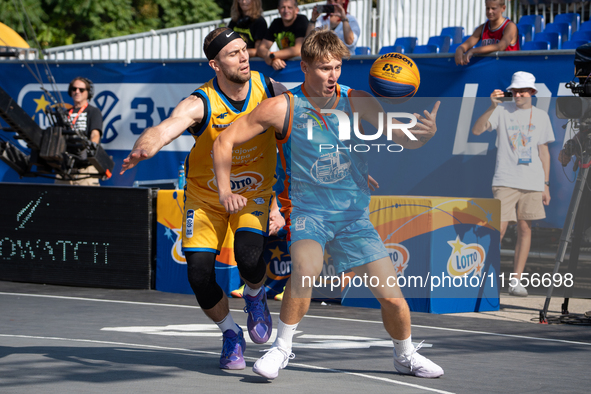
(326, 196)
(234, 91)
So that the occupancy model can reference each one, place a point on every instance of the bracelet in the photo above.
(344, 20)
(311, 21)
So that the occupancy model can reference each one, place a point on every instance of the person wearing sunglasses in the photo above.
(86, 119)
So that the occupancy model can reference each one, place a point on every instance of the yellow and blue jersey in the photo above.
(253, 163)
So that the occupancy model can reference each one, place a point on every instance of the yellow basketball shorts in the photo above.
(205, 224)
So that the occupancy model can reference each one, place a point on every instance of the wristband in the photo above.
(312, 21)
(345, 20)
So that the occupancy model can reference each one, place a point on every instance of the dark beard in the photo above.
(236, 78)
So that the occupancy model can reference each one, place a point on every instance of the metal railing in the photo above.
(530, 7)
(426, 18)
(379, 27)
(183, 42)
(17, 54)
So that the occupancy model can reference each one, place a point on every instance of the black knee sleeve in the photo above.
(201, 273)
(248, 252)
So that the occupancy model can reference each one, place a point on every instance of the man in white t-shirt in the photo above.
(522, 171)
(338, 20)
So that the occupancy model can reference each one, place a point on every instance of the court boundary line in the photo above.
(307, 316)
(204, 352)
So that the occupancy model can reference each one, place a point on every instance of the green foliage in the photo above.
(16, 19)
(185, 12)
(65, 22)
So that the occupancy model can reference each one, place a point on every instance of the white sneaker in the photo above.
(415, 364)
(518, 290)
(275, 359)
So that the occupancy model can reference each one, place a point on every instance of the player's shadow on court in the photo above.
(104, 365)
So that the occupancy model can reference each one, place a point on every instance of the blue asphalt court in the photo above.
(56, 339)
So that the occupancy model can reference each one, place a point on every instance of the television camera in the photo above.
(578, 110)
(58, 150)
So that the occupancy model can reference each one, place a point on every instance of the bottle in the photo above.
(181, 181)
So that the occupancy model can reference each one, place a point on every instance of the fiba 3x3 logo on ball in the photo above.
(394, 75)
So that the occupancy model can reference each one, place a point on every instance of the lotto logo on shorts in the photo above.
(259, 200)
(189, 223)
(300, 223)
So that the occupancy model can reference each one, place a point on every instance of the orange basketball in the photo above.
(394, 75)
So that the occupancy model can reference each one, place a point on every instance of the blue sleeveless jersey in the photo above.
(322, 175)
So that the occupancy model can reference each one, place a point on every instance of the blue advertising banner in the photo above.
(134, 96)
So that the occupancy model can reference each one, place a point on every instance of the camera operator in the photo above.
(522, 171)
(86, 119)
(337, 19)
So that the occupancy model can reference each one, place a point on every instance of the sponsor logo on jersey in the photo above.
(241, 183)
(317, 117)
(221, 126)
(331, 167)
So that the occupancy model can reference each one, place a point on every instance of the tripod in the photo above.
(575, 225)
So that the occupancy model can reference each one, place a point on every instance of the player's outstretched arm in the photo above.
(270, 113)
(152, 139)
(424, 130)
(412, 138)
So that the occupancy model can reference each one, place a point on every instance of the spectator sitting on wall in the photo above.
(497, 34)
(340, 21)
(247, 20)
(288, 32)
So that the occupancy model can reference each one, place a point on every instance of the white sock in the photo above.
(228, 324)
(514, 282)
(404, 346)
(251, 292)
(285, 335)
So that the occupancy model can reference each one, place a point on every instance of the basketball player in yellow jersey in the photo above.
(234, 92)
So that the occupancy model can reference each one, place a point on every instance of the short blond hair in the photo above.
(323, 44)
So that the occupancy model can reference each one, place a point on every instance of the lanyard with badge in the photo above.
(523, 143)
(77, 115)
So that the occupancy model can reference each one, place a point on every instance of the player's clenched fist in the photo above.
(233, 202)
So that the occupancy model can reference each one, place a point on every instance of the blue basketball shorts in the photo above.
(351, 243)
